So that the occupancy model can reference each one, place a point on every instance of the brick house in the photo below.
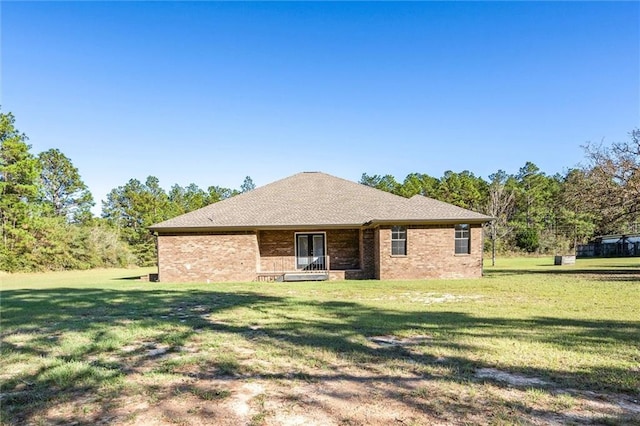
(314, 226)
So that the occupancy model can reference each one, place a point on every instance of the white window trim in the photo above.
(455, 239)
(406, 241)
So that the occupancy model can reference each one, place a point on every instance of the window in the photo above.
(462, 239)
(399, 241)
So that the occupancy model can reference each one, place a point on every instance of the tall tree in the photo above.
(419, 184)
(612, 178)
(19, 171)
(219, 193)
(189, 198)
(63, 191)
(385, 183)
(463, 189)
(500, 206)
(531, 185)
(247, 185)
(535, 202)
(134, 207)
(574, 223)
(578, 211)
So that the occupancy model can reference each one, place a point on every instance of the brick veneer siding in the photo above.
(367, 255)
(361, 254)
(376, 253)
(430, 254)
(207, 258)
(343, 247)
(277, 249)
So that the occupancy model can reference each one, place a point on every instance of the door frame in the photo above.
(298, 266)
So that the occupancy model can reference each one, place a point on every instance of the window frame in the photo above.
(462, 239)
(398, 235)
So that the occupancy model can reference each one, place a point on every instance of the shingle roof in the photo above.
(313, 199)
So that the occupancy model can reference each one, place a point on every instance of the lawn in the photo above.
(530, 343)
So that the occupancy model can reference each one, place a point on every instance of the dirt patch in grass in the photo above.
(340, 394)
(512, 379)
(244, 383)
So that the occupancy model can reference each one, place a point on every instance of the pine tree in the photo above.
(19, 171)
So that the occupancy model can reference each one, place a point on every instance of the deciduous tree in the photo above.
(500, 206)
(611, 183)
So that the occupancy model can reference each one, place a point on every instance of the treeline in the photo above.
(46, 221)
(529, 206)
(538, 213)
(45, 218)
(134, 207)
(45, 211)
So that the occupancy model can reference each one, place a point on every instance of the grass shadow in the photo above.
(628, 273)
(91, 340)
(131, 278)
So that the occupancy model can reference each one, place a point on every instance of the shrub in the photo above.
(528, 240)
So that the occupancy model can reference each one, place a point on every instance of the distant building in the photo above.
(627, 245)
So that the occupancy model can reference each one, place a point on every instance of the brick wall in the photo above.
(207, 258)
(430, 254)
(363, 254)
(343, 247)
(368, 254)
(376, 253)
(277, 249)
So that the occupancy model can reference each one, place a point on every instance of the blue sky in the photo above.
(210, 92)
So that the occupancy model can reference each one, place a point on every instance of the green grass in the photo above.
(93, 334)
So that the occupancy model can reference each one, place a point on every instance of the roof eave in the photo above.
(300, 227)
(318, 226)
(445, 221)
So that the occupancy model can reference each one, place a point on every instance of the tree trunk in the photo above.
(493, 243)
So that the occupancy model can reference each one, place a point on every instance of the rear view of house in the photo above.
(313, 226)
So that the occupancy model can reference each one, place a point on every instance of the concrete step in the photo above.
(306, 276)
